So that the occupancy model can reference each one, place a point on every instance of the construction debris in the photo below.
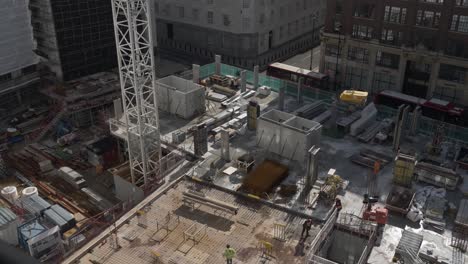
(330, 189)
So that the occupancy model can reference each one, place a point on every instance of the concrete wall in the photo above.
(287, 135)
(180, 97)
(126, 191)
(345, 247)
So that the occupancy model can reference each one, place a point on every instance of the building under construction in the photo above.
(119, 167)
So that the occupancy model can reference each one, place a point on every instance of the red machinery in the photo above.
(378, 215)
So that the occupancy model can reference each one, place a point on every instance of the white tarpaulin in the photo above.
(16, 42)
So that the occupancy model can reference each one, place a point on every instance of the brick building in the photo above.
(418, 47)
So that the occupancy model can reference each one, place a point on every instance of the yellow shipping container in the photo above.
(354, 97)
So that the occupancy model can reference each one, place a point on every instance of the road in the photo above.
(302, 60)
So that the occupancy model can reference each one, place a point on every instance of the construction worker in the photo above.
(229, 254)
(338, 205)
(306, 226)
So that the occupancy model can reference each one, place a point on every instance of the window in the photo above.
(181, 11)
(364, 10)
(167, 10)
(339, 7)
(428, 19)
(459, 23)
(395, 14)
(446, 94)
(246, 22)
(156, 7)
(332, 50)
(210, 2)
(360, 55)
(298, 7)
(383, 81)
(296, 26)
(282, 12)
(245, 3)
(461, 3)
(261, 19)
(388, 60)
(356, 78)
(209, 17)
(195, 13)
(5, 77)
(226, 20)
(391, 37)
(362, 32)
(432, 1)
(452, 73)
(29, 69)
(281, 32)
(457, 48)
(304, 4)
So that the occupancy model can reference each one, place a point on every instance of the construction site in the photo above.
(122, 167)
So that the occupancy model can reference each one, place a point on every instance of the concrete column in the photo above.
(401, 71)
(371, 69)
(19, 97)
(196, 73)
(200, 138)
(218, 64)
(433, 79)
(253, 112)
(118, 108)
(225, 154)
(281, 98)
(415, 120)
(256, 68)
(312, 167)
(299, 89)
(397, 130)
(243, 80)
(322, 57)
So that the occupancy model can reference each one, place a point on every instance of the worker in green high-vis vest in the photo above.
(229, 254)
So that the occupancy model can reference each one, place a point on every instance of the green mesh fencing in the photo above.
(426, 125)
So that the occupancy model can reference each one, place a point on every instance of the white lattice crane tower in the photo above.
(132, 25)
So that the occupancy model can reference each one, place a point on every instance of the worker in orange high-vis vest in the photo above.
(229, 254)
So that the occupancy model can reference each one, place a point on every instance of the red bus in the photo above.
(433, 108)
(292, 73)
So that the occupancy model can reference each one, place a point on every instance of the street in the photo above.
(302, 60)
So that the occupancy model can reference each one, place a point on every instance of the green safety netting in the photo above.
(426, 125)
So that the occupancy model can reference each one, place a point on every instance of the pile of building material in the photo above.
(344, 123)
(375, 128)
(368, 116)
(436, 175)
(368, 158)
(310, 111)
(400, 200)
(223, 90)
(462, 158)
(264, 177)
(403, 171)
(330, 189)
(409, 245)
(429, 204)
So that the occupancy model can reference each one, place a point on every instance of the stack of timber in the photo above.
(310, 111)
(369, 134)
(404, 169)
(436, 175)
(330, 189)
(368, 158)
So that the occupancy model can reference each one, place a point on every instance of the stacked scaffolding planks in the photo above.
(264, 177)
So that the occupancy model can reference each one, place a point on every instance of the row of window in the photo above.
(447, 72)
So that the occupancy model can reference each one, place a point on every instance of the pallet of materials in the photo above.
(404, 169)
(400, 200)
(332, 186)
(367, 158)
(310, 111)
(264, 177)
(436, 175)
(369, 133)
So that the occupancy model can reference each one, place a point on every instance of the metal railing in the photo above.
(321, 236)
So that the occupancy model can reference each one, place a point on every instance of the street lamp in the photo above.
(338, 27)
(313, 42)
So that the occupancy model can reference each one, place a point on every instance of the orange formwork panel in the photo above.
(264, 177)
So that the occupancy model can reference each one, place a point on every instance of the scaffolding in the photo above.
(133, 34)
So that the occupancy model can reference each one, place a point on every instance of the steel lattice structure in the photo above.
(133, 37)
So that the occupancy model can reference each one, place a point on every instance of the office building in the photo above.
(244, 32)
(418, 47)
(18, 74)
(75, 38)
